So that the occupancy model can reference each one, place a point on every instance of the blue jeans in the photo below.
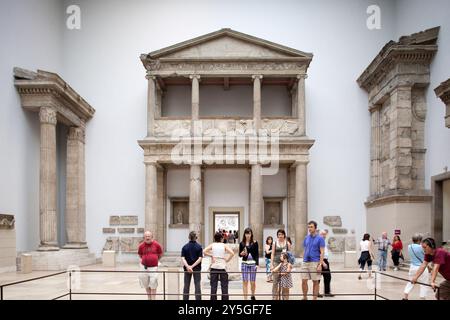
(267, 266)
(382, 256)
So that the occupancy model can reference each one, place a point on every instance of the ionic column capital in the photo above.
(149, 76)
(302, 76)
(76, 133)
(47, 115)
(257, 76)
(195, 76)
(299, 163)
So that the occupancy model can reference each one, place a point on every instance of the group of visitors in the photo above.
(422, 253)
(229, 236)
(426, 262)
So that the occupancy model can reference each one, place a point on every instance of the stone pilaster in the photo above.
(256, 219)
(151, 104)
(301, 104)
(400, 139)
(48, 220)
(75, 219)
(257, 101)
(375, 148)
(301, 206)
(151, 199)
(195, 202)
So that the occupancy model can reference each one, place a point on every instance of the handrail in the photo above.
(165, 294)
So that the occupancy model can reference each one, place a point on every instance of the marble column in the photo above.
(257, 102)
(301, 105)
(195, 96)
(256, 219)
(301, 205)
(151, 198)
(48, 220)
(291, 201)
(75, 219)
(151, 104)
(195, 202)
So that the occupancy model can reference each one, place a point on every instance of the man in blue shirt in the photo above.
(314, 246)
(192, 255)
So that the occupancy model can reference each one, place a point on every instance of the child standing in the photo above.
(284, 268)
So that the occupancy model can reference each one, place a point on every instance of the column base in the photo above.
(75, 245)
(48, 247)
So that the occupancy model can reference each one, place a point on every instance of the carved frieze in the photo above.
(7, 221)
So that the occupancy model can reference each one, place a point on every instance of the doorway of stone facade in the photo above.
(225, 219)
(440, 211)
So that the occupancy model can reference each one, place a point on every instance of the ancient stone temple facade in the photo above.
(55, 101)
(397, 81)
(226, 87)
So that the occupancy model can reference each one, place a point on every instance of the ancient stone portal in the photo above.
(55, 101)
(397, 81)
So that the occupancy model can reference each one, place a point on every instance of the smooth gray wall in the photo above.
(101, 61)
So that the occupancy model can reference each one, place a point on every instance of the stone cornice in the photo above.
(231, 33)
(443, 91)
(162, 60)
(398, 198)
(51, 86)
(417, 48)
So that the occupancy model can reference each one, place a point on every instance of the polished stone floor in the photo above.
(123, 285)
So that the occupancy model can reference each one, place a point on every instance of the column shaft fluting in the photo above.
(301, 206)
(75, 189)
(48, 220)
(195, 202)
(256, 204)
(151, 199)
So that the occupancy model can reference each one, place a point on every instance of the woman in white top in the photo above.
(366, 255)
(217, 251)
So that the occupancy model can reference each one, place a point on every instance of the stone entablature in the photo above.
(443, 92)
(161, 151)
(47, 89)
(396, 81)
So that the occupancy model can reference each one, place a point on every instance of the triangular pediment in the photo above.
(227, 43)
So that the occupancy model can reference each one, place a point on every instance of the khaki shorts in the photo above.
(312, 273)
(444, 290)
(148, 279)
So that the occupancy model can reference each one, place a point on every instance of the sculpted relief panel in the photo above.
(221, 127)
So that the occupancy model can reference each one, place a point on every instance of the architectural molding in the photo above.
(43, 89)
(443, 92)
(417, 48)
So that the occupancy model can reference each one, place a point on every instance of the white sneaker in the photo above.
(395, 269)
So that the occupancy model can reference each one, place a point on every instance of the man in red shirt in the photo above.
(441, 261)
(150, 252)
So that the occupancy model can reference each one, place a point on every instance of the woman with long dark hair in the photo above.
(397, 247)
(268, 252)
(366, 255)
(249, 251)
(279, 246)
